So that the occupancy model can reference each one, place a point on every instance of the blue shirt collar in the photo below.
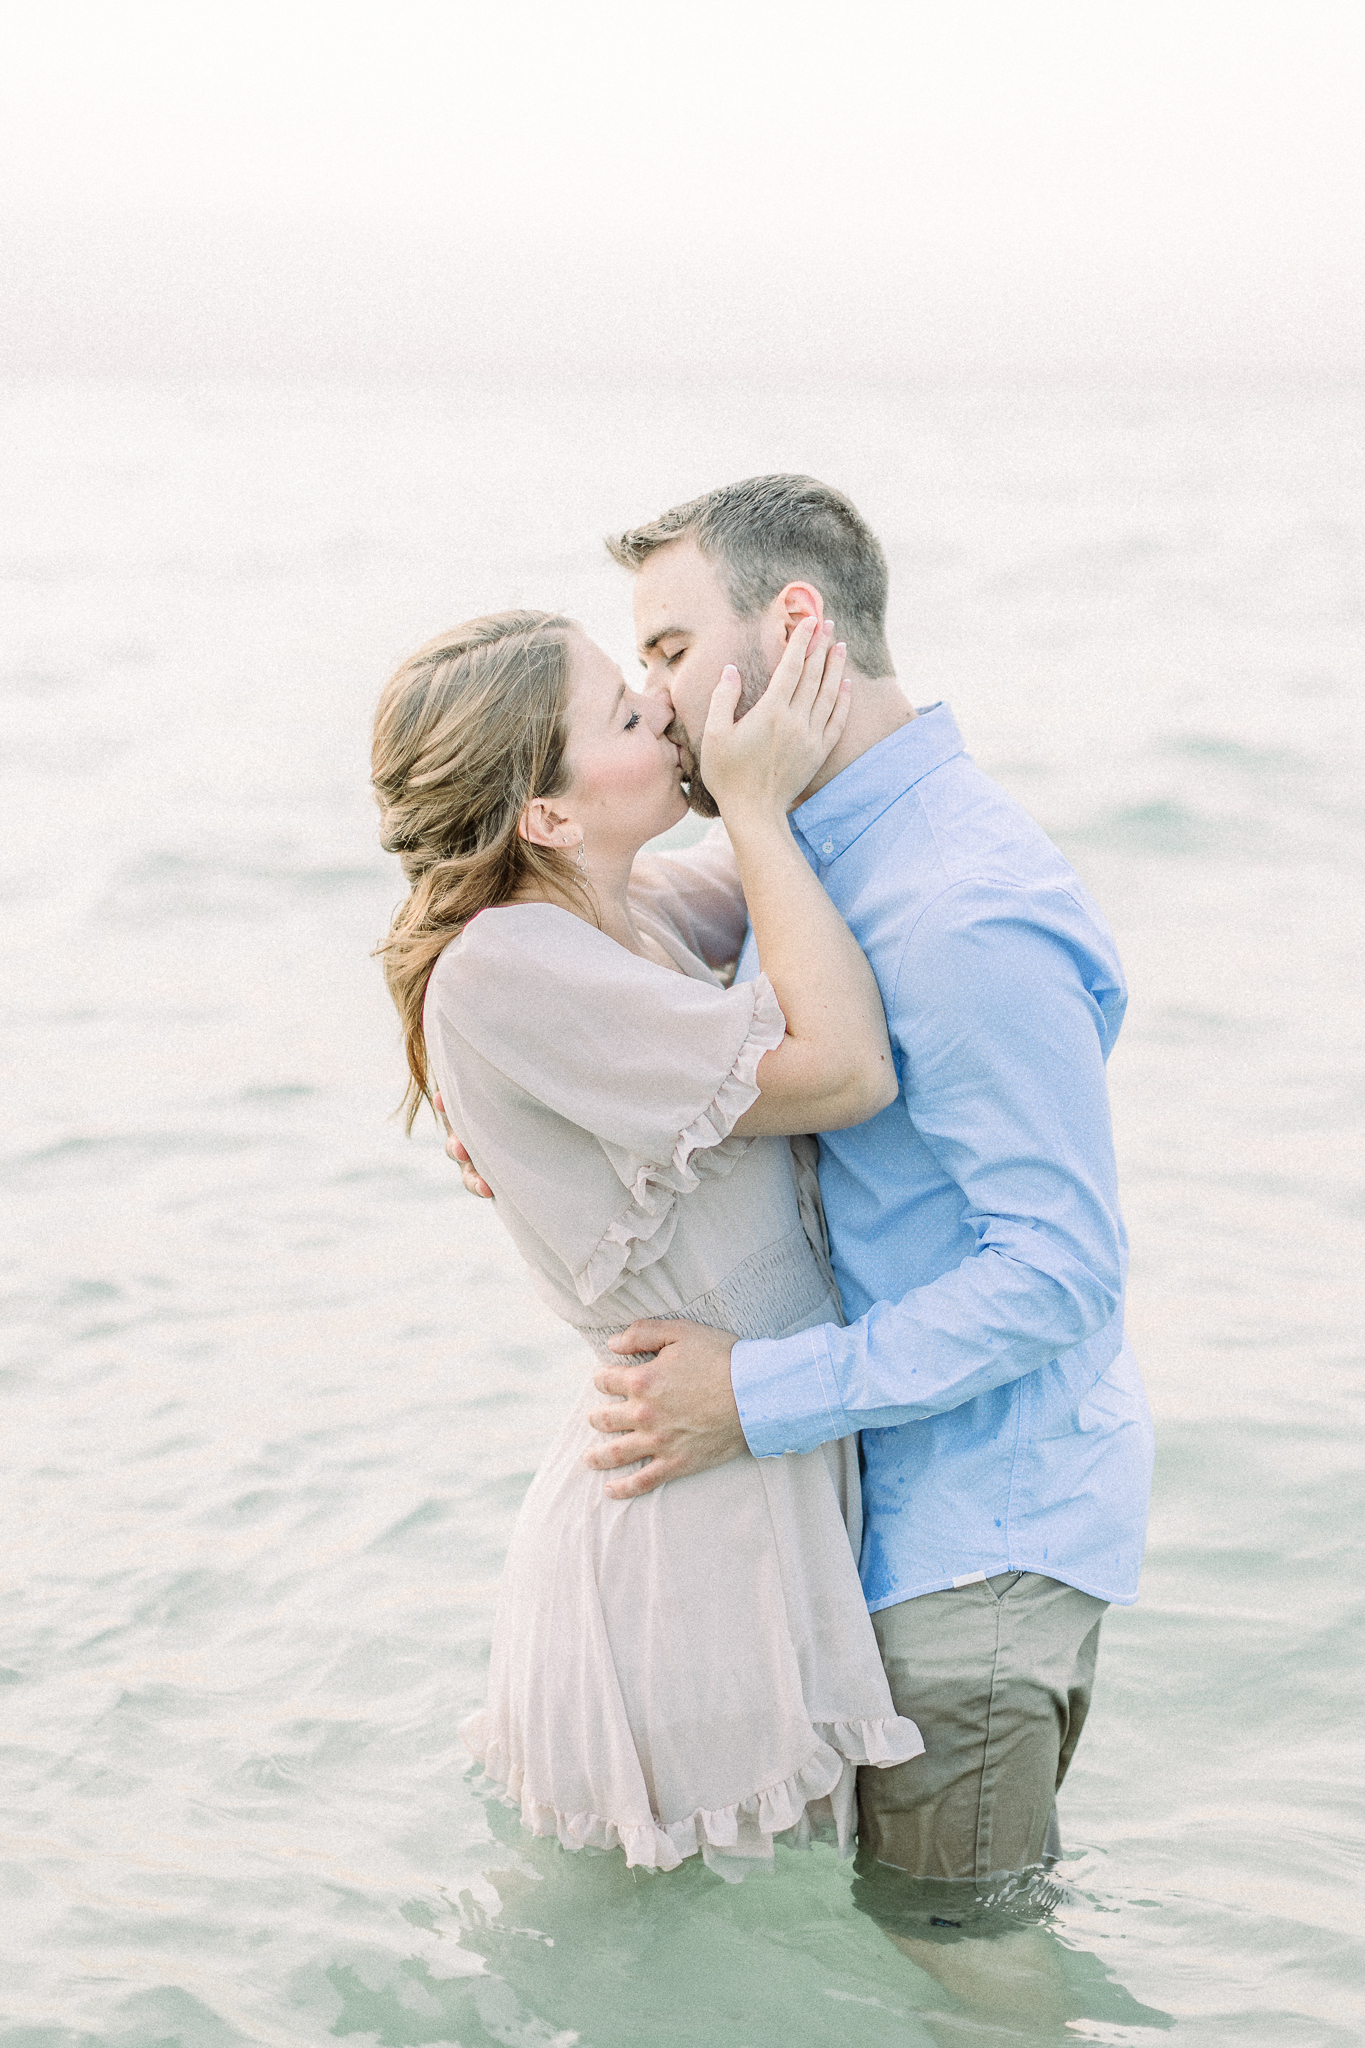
(836, 815)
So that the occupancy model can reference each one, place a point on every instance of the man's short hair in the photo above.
(773, 530)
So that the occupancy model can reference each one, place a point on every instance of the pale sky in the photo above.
(891, 185)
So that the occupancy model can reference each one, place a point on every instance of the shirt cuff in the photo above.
(786, 1393)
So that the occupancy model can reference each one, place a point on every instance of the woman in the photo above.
(694, 1669)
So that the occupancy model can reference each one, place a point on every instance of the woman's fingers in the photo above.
(827, 676)
(787, 677)
(827, 696)
(838, 717)
(813, 668)
(773, 753)
(720, 716)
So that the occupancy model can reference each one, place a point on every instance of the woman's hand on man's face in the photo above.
(768, 758)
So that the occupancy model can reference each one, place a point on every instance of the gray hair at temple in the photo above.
(770, 531)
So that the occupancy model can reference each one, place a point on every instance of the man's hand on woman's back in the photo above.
(469, 1173)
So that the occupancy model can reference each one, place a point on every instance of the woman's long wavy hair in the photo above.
(469, 730)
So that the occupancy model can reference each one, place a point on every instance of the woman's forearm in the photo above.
(834, 1064)
(834, 1067)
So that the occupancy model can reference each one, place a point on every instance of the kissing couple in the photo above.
(804, 1128)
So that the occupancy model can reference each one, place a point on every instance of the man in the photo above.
(974, 1224)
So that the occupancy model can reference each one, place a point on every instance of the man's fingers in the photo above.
(645, 1336)
(621, 1450)
(469, 1172)
(644, 1481)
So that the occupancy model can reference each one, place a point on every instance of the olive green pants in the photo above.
(998, 1675)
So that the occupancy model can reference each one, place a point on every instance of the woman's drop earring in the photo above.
(581, 864)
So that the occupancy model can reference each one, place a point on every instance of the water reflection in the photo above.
(579, 1948)
(995, 1951)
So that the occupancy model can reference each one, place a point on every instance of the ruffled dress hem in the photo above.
(745, 1828)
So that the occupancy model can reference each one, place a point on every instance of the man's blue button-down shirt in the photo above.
(974, 1224)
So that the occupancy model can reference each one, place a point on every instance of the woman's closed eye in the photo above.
(631, 722)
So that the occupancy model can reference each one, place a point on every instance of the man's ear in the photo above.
(544, 826)
(798, 601)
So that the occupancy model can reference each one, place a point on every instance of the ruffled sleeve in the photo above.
(592, 1088)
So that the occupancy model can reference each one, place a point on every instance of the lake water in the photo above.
(274, 1387)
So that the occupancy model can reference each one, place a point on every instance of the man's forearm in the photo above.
(1005, 1092)
(988, 1322)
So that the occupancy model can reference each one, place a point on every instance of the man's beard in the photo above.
(753, 681)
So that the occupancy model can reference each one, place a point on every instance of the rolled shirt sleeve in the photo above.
(1001, 1011)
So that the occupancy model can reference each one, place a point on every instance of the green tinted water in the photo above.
(274, 1386)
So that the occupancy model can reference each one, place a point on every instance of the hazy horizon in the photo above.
(347, 192)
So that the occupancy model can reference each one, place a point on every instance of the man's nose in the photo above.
(658, 707)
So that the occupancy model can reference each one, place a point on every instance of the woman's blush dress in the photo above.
(695, 1669)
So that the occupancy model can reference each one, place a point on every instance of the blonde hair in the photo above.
(468, 731)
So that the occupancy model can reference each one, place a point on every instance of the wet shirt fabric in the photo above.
(974, 1224)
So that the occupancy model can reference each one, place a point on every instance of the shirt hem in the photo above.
(1046, 1571)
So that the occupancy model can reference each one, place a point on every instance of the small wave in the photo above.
(258, 1504)
(1238, 754)
(1183, 1025)
(165, 886)
(100, 1158)
(1094, 566)
(272, 1773)
(38, 681)
(83, 1293)
(1163, 827)
(421, 1517)
(51, 568)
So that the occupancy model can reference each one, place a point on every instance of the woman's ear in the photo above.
(798, 601)
(543, 826)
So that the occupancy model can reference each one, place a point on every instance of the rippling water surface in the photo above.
(273, 1385)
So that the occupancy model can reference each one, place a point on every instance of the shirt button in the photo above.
(827, 848)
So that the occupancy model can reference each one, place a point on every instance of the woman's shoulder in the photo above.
(490, 956)
(510, 931)
(504, 951)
